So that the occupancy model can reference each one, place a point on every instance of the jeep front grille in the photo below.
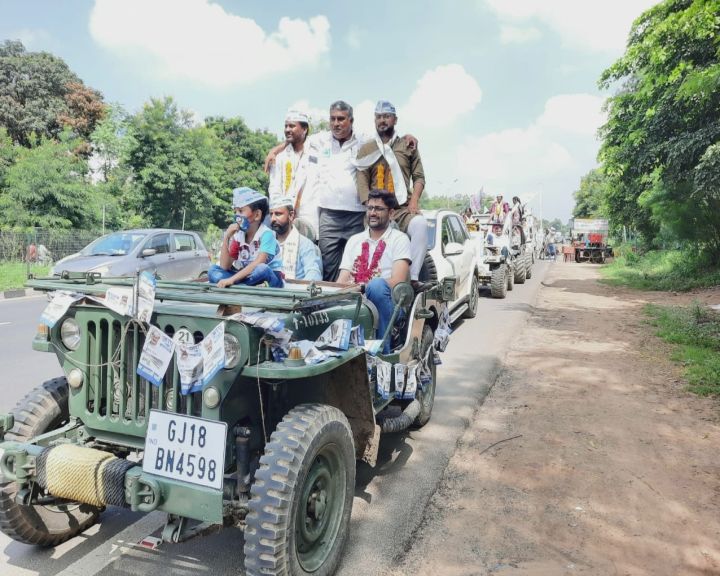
(114, 391)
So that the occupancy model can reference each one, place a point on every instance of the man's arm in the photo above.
(400, 272)
(417, 174)
(345, 277)
(362, 182)
(311, 263)
(270, 158)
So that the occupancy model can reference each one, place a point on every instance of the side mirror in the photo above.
(403, 294)
(453, 249)
(148, 252)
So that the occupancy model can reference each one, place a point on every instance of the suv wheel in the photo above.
(498, 284)
(43, 410)
(301, 499)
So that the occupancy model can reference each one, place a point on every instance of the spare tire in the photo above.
(428, 272)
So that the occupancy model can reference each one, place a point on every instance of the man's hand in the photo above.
(270, 158)
(411, 141)
(225, 283)
(413, 207)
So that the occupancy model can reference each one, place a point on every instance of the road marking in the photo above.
(111, 550)
(4, 323)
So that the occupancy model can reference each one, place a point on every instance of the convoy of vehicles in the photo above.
(243, 406)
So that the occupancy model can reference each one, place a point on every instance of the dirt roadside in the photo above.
(605, 464)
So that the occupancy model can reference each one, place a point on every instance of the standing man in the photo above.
(289, 173)
(498, 209)
(300, 256)
(388, 163)
(342, 214)
(378, 257)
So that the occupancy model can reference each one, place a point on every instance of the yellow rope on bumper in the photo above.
(75, 473)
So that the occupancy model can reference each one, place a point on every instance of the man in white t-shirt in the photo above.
(378, 257)
(288, 174)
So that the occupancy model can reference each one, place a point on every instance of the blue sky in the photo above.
(502, 94)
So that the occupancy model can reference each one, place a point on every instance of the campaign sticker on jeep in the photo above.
(185, 448)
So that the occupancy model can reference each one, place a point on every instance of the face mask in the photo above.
(242, 222)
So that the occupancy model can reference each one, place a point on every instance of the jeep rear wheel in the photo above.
(528, 265)
(301, 499)
(426, 393)
(498, 285)
(520, 269)
(43, 410)
(511, 276)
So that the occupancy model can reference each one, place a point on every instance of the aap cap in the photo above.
(244, 196)
(384, 107)
(297, 116)
(282, 203)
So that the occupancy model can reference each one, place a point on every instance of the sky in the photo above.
(502, 95)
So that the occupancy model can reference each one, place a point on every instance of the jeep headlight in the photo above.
(70, 334)
(232, 351)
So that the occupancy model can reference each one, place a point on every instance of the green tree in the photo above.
(590, 197)
(176, 167)
(39, 95)
(45, 187)
(664, 121)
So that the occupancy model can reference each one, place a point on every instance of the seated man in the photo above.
(378, 257)
(249, 252)
(496, 239)
(301, 258)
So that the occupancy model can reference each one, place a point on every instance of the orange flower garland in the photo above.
(380, 177)
(288, 175)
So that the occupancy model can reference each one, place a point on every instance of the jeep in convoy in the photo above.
(243, 406)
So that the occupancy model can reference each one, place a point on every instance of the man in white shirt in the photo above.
(300, 256)
(378, 257)
(288, 174)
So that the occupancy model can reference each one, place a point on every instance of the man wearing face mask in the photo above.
(300, 257)
(249, 252)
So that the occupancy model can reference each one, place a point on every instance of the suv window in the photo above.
(458, 230)
(161, 243)
(184, 243)
(447, 235)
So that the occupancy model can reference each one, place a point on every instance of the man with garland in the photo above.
(388, 163)
(378, 257)
(249, 252)
(300, 256)
(288, 175)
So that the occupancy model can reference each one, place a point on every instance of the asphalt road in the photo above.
(389, 499)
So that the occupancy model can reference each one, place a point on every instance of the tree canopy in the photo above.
(659, 149)
(589, 198)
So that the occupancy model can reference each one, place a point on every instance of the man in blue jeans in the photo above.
(378, 257)
(249, 252)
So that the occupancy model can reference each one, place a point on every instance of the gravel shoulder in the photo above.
(587, 457)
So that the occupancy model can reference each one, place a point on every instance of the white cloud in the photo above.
(593, 26)
(543, 161)
(519, 35)
(199, 41)
(441, 96)
(573, 113)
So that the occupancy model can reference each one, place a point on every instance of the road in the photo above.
(389, 499)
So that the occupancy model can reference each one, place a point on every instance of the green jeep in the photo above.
(269, 443)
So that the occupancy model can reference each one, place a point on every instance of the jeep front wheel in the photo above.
(301, 499)
(43, 410)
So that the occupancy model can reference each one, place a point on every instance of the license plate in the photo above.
(185, 448)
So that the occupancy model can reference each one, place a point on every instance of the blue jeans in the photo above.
(261, 273)
(378, 291)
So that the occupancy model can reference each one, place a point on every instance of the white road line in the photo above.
(109, 551)
(5, 323)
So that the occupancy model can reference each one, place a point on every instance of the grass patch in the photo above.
(695, 332)
(14, 274)
(674, 270)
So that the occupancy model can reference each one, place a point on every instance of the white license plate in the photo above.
(185, 448)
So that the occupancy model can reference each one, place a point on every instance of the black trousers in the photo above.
(336, 226)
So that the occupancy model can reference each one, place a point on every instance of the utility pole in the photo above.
(183, 224)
